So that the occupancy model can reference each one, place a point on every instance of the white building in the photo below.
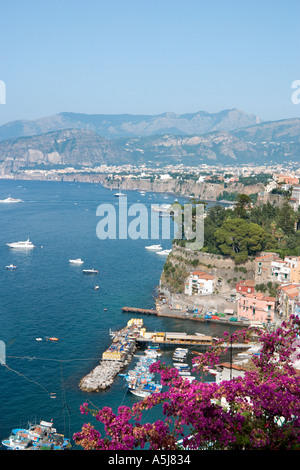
(200, 282)
(280, 271)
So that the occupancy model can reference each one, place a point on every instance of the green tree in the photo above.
(239, 238)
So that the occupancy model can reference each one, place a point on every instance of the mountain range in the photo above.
(79, 140)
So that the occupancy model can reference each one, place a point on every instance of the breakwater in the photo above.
(114, 359)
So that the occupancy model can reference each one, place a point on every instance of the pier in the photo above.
(175, 339)
(139, 310)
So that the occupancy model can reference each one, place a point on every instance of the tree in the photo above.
(239, 238)
(258, 411)
(243, 202)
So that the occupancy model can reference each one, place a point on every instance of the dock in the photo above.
(145, 311)
(175, 339)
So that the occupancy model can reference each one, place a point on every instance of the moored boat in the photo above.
(22, 244)
(37, 437)
(76, 261)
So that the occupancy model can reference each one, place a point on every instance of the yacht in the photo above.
(161, 208)
(10, 200)
(154, 247)
(23, 245)
(76, 261)
(164, 252)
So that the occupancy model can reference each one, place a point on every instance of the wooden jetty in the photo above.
(139, 310)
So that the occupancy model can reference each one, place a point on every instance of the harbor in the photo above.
(125, 343)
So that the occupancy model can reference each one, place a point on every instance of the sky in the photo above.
(148, 57)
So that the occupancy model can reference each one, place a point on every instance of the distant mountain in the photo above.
(263, 143)
(127, 125)
(276, 141)
(72, 147)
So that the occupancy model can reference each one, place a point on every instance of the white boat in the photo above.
(90, 271)
(153, 247)
(10, 200)
(76, 261)
(11, 266)
(120, 194)
(161, 208)
(164, 252)
(23, 245)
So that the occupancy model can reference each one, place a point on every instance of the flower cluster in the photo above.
(260, 410)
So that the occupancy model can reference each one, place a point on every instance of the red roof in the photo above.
(203, 275)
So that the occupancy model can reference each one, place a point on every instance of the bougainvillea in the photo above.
(260, 410)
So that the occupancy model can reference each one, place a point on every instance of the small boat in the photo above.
(96, 287)
(120, 194)
(90, 271)
(76, 261)
(164, 252)
(11, 266)
(10, 200)
(22, 245)
(53, 338)
(153, 247)
(40, 436)
(39, 339)
(165, 208)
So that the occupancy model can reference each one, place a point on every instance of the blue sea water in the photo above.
(46, 296)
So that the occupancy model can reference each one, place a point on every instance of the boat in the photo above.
(146, 390)
(96, 287)
(39, 339)
(161, 208)
(120, 194)
(40, 436)
(153, 247)
(76, 261)
(11, 266)
(22, 245)
(164, 252)
(90, 271)
(10, 200)
(53, 338)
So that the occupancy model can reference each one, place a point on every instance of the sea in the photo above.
(46, 297)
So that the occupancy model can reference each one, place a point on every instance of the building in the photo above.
(287, 179)
(246, 286)
(288, 300)
(256, 307)
(200, 282)
(271, 268)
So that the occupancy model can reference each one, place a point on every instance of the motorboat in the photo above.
(10, 200)
(11, 266)
(22, 245)
(90, 271)
(120, 194)
(76, 261)
(153, 247)
(164, 252)
(161, 208)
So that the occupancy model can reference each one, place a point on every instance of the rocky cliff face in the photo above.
(68, 147)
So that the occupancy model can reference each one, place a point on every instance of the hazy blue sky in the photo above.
(149, 56)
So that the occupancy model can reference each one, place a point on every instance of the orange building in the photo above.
(256, 307)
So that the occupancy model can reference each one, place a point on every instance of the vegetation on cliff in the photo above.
(246, 230)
